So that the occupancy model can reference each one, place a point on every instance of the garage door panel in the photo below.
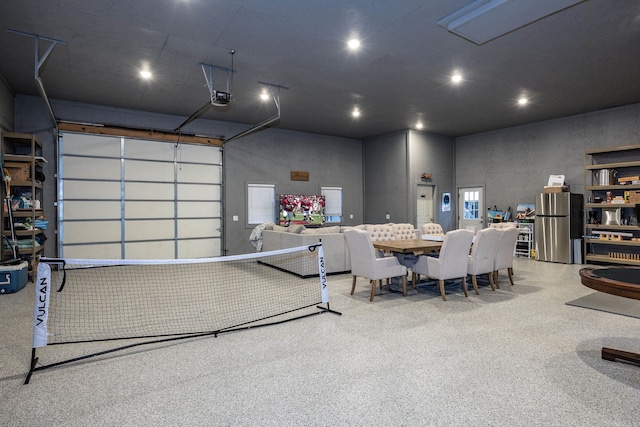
(192, 153)
(200, 248)
(150, 250)
(150, 150)
(149, 229)
(199, 192)
(92, 209)
(198, 173)
(91, 169)
(149, 190)
(198, 209)
(139, 170)
(92, 231)
(91, 145)
(110, 251)
(91, 190)
(142, 210)
(190, 228)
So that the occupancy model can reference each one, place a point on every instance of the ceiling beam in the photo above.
(139, 133)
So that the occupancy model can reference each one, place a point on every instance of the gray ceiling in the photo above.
(582, 59)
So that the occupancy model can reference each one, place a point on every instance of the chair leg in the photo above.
(381, 284)
(373, 289)
(441, 283)
(493, 287)
(510, 270)
(404, 285)
(463, 282)
(353, 285)
(413, 280)
(496, 275)
(474, 282)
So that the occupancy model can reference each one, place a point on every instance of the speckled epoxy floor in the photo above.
(515, 357)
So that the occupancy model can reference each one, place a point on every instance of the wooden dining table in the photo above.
(409, 246)
(406, 251)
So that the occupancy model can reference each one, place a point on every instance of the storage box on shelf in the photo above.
(22, 162)
(612, 234)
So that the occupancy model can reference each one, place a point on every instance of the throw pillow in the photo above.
(296, 228)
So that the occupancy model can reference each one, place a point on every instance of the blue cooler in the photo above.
(13, 276)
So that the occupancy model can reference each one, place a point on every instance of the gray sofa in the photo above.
(333, 244)
(336, 254)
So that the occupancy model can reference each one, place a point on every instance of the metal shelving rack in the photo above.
(626, 160)
(21, 148)
(524, 244)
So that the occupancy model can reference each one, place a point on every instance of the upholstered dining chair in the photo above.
(502, 225)
(431, 228)
(504, 253)
(364, 262)
(452, 262)
(483, 254)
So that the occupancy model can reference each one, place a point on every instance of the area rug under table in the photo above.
(609, 303)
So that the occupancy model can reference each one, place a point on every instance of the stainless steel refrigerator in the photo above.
(558, 224)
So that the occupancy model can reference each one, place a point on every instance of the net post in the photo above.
(32, 367)
(324, 288)
(327, 309)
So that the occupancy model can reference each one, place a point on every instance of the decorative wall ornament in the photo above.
(299, 176)
(446, 202)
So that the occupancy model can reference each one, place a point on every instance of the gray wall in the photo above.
(386, 167)
(378, 176)
(393, 166)
(266, 157)
(434, 154)
(515, 163)
(270, 156)
(6, 106)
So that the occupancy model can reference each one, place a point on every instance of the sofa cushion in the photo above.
(296, 228)
(279, 228)
(362, 227)
(322, 230)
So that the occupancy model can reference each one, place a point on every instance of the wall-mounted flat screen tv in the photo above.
(302, 209)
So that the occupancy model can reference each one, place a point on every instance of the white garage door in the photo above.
(123, 198)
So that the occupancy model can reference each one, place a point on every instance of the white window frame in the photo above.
(261, 203)
(333, 204)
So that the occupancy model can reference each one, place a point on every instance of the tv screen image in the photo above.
(301, 209)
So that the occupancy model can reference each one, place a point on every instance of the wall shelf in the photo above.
(625, 160)
(26, 150)
(609, 260)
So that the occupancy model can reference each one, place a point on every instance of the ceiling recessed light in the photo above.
(523, 101)
(419, 125)
(456, 77)
(353, 44)
(145, 74)
(355, 112)
(264, 96)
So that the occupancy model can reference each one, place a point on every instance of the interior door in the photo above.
(471, 208)
(424, 204)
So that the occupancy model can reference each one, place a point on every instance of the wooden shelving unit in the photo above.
(625, 160)
(23, 149)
